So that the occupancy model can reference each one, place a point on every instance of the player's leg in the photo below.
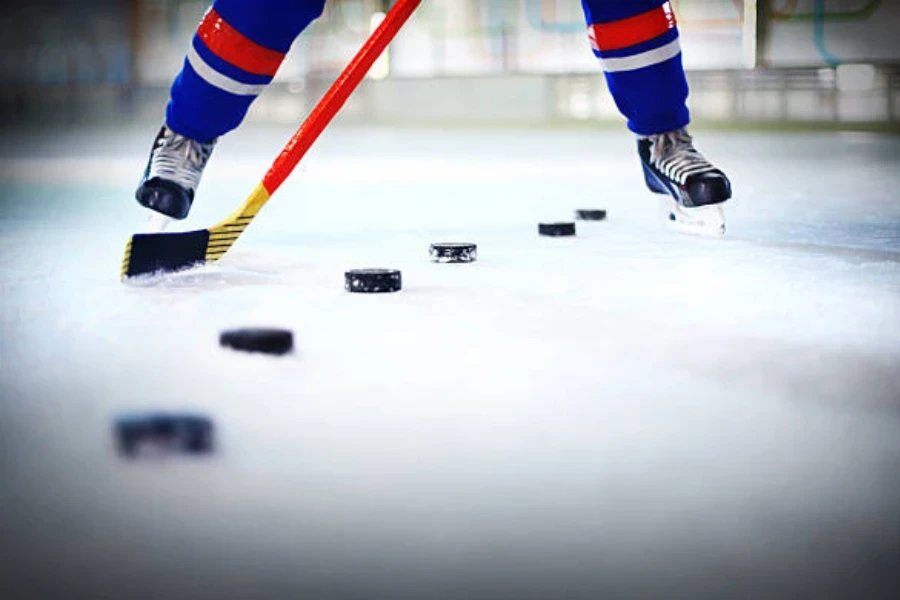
(637, 43)
(234, 54)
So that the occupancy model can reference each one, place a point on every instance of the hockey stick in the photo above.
(148, 253)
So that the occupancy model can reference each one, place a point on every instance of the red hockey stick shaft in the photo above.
(338, 93)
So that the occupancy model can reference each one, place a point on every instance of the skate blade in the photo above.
(157, 222)
(706, 221)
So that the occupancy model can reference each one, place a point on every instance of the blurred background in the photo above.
(807, 62)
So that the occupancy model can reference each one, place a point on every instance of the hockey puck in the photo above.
(556, 229)
(258, 339)
(591, 214)
(174, 432)
(452, 252)
(372, 281)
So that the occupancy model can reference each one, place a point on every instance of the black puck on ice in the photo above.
(452, 252)
(176, 432)
(556, 229)
(372, 281)
(590, 214)
(258, 339)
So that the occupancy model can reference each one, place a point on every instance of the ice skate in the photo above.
(695, 188)
(172, 175)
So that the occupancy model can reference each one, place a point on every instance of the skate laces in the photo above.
(180, 159)
(674, 154)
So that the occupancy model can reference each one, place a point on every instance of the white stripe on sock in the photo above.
(213, 77)
(644, 59)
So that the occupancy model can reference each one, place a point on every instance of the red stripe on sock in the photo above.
(234, 47)
(633, 30)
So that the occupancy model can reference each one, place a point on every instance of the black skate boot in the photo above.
(173, 173)
(672, 166)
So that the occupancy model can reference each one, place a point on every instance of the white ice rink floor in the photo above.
(631, 413)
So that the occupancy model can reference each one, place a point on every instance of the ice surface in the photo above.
(627, 413)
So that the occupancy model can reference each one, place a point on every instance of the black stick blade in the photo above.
(148, 253)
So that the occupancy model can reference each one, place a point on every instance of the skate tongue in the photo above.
(148, 253)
